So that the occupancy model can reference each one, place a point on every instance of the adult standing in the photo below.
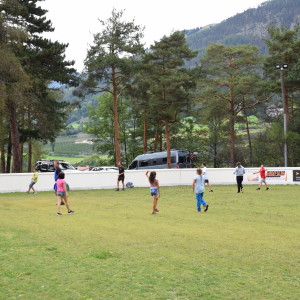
(57, 170)
(205, 175)
(121, 176)
(262, 172)
(239, 172)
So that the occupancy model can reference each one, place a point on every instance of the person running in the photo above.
(62, 193)
(121, 176)
(34, 180)
(154, 190)
(198, 188)
(239, 171)
(57, 170)
(205, 175)
(262, 171)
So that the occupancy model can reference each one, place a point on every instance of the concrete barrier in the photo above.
(167, 177)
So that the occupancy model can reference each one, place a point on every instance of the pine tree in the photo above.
(110, 62)
(171, 85)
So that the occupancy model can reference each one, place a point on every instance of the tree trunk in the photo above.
(29, 167)
(249, 140)
(2, 159)
(21, 155)
(232, 140)
(116, 117)
(145, 134)
(215, 155)
(14, 136)
(8, 156)
(168, 142)
(156, 139)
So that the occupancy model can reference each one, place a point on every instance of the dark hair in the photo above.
(36, 169)
(199, 171)
(61, 175)
(238, 164)
(204, 164)
(152, 177)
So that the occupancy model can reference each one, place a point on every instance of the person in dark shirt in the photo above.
(121, 176)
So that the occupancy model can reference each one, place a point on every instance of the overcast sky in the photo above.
(75, 21)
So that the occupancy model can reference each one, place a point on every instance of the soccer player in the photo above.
(34, 180)
(262, 171)
(154, 190)
(198, 188)
(239, 172)
(62, 193)
(205, 175)
(121, 176)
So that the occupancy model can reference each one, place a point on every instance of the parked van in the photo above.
(158, 160)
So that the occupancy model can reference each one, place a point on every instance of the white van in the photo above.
(158, 160)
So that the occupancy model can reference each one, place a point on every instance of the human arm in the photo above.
(193, 185)
(147, 174)
(65, 188)
(158, 187)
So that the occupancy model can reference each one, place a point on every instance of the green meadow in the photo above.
(247, 246)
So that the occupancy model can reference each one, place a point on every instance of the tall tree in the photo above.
(171, 85)
(42, 61)
(110, 62)
(233, 80)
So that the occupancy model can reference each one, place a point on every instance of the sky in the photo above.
(76, 21)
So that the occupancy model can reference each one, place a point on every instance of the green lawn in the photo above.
(245, 247)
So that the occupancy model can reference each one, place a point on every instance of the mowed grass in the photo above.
(245, 247)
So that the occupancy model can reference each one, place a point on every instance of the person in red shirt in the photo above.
(262, 171)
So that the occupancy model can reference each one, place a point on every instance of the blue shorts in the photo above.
(32, 184)
(61, 194)
(55, 187)
(154, 191)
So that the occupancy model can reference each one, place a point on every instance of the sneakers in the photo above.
(242, 190)
(206, 208)
(117, 190)
(211, 191)
(62, 203)
(35, 192)
(258, 189)
(59, 214)
(267, 189)
(71, 212)
(123, 190)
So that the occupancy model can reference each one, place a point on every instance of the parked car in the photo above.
(114, 169)
(48, 166)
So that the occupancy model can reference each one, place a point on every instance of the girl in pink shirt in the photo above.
(62, 193)
(154, 190)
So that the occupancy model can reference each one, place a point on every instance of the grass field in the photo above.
(245, 247)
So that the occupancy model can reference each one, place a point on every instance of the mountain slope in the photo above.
(249, 27)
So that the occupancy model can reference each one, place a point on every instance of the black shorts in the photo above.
(206, 181)
(121, 178)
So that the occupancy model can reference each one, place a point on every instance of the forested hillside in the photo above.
(249, 27)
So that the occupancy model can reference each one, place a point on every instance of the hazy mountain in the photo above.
(249, 27)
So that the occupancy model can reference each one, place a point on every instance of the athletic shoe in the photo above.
(62, 203)
(211, 191)
(71, 212)
(258, 189)
(206, 208)
(156, 210)
(267, 189)
(35, 192)
(242, 189)
(123, 190)
(59, 214)
(117, 190)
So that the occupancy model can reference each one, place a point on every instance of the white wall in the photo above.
(167, 177)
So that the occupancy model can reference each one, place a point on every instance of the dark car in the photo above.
(48, 166)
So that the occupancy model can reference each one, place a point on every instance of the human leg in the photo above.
(59, 200)
(198, 202)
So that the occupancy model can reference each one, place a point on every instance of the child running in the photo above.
(62, 193)
(198, 189)
(154, 190)
(34, 180)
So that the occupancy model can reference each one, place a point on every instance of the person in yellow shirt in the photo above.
(34, 180)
